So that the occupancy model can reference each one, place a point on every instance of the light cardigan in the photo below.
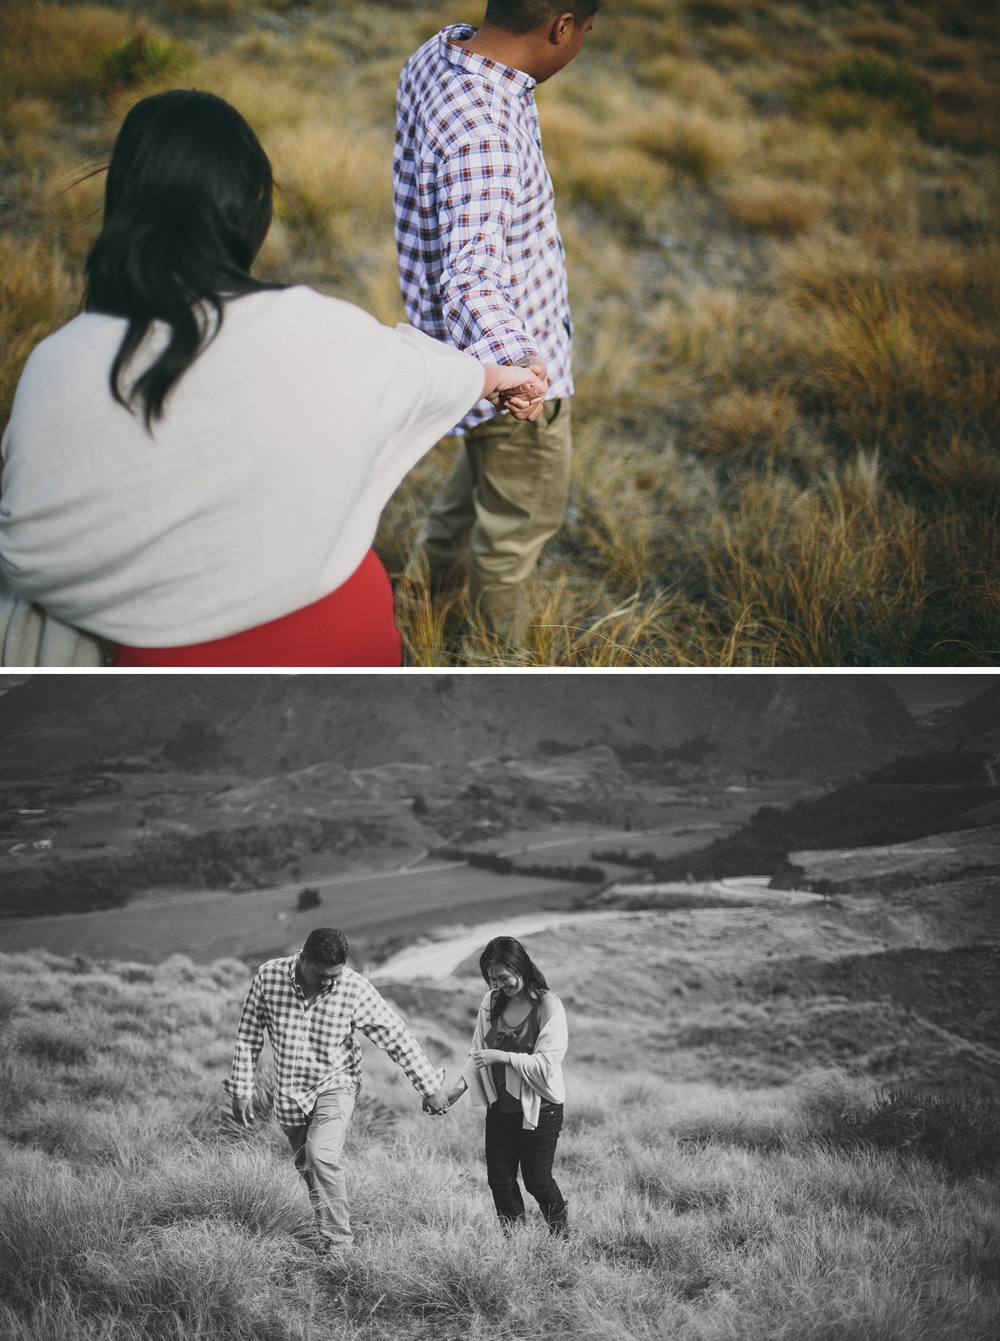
(258, 492)
(534, 1076)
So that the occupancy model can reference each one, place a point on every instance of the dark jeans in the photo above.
(509, 1145)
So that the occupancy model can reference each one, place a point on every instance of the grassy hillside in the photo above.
(130, 1210)
(781, 223)
(861, 815)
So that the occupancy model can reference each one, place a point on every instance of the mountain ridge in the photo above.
(814, 727)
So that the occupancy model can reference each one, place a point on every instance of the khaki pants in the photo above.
(504, 498)
(318, 1149)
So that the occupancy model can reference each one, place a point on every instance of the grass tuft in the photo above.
(142, 56)
(882, 78)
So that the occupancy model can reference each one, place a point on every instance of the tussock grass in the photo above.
(696, 1212)
(56, 52)
(781, 224)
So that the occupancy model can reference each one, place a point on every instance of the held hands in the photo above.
(437, 1104)
(450, 1097)
(508, 388)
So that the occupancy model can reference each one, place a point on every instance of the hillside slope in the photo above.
(827, 727)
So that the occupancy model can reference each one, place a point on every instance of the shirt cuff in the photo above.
(435, 1084)
(504, 349)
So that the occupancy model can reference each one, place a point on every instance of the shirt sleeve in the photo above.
(249, 1041)
(477, 190)
(378, 1021)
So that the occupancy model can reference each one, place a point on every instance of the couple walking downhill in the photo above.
(311, 1006)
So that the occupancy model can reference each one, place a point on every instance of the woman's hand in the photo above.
(518, 389)
(488, 1057)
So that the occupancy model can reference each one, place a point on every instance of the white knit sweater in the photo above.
(258, 492)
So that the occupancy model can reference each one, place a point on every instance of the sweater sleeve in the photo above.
(480, 1083)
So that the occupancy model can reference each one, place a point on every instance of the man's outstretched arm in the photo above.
(249, 1041)
(378, 1021)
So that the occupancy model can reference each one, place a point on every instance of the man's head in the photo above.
(523, 16)
(554, 30)
(323, 957)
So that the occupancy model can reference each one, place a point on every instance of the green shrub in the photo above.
(10, 999)
(879, 77)
(140, 57)
(958, 1131)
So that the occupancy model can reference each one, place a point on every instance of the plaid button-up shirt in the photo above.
(315, 1047)
(481, 262)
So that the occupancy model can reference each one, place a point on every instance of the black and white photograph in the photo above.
(500, 1006)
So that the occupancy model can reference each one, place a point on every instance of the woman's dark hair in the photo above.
(186, 207)
(511, 955)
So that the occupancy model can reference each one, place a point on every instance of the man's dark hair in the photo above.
(326, 946)
(186, 206)
(523, 16)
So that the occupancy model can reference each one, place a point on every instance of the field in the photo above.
(731, 1169)
(781, 222)
(379, 904)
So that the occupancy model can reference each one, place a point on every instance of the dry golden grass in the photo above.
(780, 207)
(37, 294)
(782, 226)
(747, 421)
(693, 142)
(52, 51)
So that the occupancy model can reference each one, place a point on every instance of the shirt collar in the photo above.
(297, 987)
(504, 77)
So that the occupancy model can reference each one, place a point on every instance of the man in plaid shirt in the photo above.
(482, 267)
(310, 1005)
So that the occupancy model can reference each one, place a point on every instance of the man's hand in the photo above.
(488, 1057)
(519, 389)
(242, 1111)
(436, 1103)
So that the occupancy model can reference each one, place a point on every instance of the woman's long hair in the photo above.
(507, 953)
(186, 207)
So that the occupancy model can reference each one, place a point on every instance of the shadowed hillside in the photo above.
(811, 727)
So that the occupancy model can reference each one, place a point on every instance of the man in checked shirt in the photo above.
(310, 1005)
(482, 267)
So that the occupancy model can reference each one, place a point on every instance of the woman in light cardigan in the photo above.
(195, 465)
(515, 1070)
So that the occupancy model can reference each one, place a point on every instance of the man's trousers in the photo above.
(318, 1148)
(504, 498)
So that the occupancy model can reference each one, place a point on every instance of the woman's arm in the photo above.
(519, 388)
(456, 1093)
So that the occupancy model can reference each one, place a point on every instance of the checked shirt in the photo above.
(481, 262)
(315, 1047)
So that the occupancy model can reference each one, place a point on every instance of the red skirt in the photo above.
(353, 626)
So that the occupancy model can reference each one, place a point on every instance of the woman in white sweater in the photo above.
(515, 1070)
(195, 466)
